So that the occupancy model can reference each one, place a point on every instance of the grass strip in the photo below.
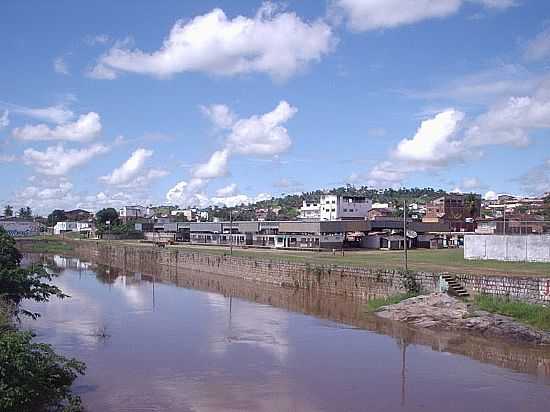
(534, 315)
(50, 246)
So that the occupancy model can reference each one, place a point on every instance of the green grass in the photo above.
(376, 303)
(49, 246)
(534, 315)
(443, 260)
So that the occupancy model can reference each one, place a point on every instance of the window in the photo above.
(345, 210)
(333, 210)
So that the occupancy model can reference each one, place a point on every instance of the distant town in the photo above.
(345, 217)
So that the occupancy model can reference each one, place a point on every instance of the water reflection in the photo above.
(193, 341)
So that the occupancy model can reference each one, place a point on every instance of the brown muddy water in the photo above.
(174, 341)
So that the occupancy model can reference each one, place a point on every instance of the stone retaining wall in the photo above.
(361, 282)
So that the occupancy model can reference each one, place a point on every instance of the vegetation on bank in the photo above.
(40, 245)
(32, 376)
(376, 303)
(534, 315)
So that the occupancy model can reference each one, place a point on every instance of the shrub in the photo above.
(33, 377)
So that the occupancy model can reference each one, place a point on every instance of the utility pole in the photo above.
(231, 232)
(504, 222)
(405, 234)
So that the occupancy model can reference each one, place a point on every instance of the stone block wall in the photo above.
(353, 281)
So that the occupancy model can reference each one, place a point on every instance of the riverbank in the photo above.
(419, 260)
(439, 311)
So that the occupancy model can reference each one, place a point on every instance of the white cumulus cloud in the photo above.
(510, 121)
(52, 114)
(129, 169)
(258, 135)
(435, 142)
(263, 135)
(228, 190)
(85, 128)
(272, 42)
(57, 161)
(220, 115)
(363, 15)
(217, 166)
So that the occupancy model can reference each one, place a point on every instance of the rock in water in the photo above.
(441, 311)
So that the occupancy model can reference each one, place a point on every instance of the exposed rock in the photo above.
(441, 311)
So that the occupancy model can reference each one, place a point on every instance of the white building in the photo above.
(64, 227)
(341, 207)
(310, 211)
(191, 214)
(132, 212)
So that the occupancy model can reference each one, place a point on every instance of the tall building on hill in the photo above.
(459, 210)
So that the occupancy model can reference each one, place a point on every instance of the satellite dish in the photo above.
(411, 234)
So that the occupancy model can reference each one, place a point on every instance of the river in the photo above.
(170, 341)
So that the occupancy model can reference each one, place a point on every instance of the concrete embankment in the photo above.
(362, 282)
(440, 311)
(355, 281)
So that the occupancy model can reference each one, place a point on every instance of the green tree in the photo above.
(8, 211)
(107, 215)
(19, 283)
(9, 255)
(25, 212)
(56, 216)
(34, 378)
(471, 205)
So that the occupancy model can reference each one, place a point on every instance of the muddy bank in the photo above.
(443, 312)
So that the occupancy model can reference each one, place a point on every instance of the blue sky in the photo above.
(193, 103)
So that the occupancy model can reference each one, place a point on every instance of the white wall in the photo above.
(529, 248)
(21, 229)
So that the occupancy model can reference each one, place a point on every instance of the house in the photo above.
(128, 213)
(374, 214)
(310, 210)
(78, 215)
(344, 207)
(518, 224)
(64, 227)
(191, 215)
(459, 210)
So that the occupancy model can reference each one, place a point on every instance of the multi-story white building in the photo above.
(127, 213)
(310, 210)
(341, 207)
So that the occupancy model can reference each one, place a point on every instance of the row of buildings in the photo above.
(331, 222)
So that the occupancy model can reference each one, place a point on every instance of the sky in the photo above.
(220, 102)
